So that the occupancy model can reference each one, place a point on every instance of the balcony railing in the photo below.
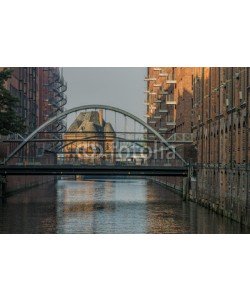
(170, 123)
(149, 79)
(169, 81)
(181, 138)
(163, 129)
(171, 102)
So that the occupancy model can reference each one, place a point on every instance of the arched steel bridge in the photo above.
(7, 169)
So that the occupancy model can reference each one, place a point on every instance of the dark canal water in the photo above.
(108, 206)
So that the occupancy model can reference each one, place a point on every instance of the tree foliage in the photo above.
(10, 122)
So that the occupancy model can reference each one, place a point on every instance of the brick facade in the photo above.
(221, 132)
(41, 96)
(212, 104)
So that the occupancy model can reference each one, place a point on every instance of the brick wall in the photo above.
(221, 128)
(212, 103)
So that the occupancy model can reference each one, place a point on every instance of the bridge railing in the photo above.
(94, 152)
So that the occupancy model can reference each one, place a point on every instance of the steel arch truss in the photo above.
(94, 106)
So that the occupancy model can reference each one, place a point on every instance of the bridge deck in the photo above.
(131, 170)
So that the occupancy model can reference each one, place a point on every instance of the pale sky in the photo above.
(120, 87)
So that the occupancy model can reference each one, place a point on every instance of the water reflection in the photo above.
(108, 206)
(32, 211)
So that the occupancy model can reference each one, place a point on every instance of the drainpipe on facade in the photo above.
(231, 142)
(247, 149)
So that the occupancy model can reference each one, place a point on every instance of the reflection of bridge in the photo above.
(147, 141)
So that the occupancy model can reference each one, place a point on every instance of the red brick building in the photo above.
(221, 132)
(41, 95)
(169, 106)
(210, 110)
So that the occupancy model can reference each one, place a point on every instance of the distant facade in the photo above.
(90, 140)
(209, 109)
(161, 105)
(169, 105)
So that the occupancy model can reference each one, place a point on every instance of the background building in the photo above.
(169, 106)
(90, 140)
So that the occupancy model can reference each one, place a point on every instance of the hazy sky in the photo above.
(120, 87)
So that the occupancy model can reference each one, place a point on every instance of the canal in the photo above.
(108, 206)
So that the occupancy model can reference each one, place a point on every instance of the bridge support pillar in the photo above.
(184, 188)
(3, 188)
(187, 183)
